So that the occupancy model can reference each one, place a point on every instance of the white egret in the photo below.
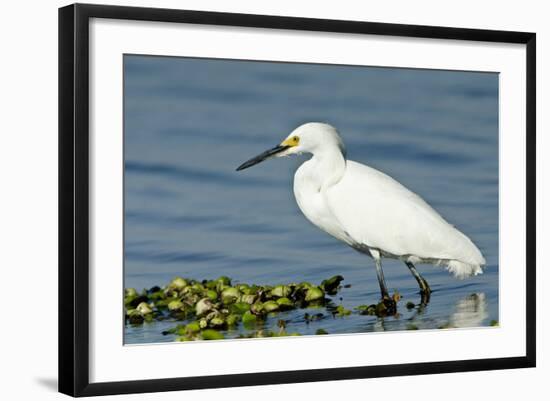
(370, 211)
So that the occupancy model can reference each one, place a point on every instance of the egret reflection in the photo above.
(470, 311)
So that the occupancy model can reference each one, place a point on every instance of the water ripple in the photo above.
(193, 174)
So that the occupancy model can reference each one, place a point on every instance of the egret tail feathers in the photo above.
(462, 270)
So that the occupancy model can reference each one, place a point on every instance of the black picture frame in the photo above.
(74, 198)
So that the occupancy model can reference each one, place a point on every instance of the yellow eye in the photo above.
(293, 141)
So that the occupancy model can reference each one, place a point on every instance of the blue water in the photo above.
(190, 122)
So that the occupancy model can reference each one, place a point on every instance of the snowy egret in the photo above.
(370, 211)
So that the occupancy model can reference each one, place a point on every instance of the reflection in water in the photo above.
(470, 311)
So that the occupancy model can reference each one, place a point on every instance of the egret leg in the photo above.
(390, 305)
(425, 290)
(381, 281)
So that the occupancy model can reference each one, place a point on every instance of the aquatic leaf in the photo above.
(257, 308)
(281, 291)
(341, 311)
(314, 294)
(244, 288)
(270, 306)
(224, 280)
(175, 305)
(232, 320)
(193, 327)
(285, 303)
(203, 306)
(331, 285)
(217, 322)
(178, 283)
(128, 300)
(239, 308)
(144, 308)
(249, 318)
(212, 295)
(249, 299)
(305, 285)
(179, 329)
(222, 283)
(157, 295)
(230, 295)
(211, 285)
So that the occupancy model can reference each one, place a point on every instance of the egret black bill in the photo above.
(263, 156)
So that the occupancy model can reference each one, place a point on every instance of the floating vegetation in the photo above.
(213, 309)
(341, 311)
(331, 285)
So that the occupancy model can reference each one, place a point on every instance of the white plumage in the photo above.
(369, 210)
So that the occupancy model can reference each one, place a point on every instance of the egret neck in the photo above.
(311, 183)
(326, 167)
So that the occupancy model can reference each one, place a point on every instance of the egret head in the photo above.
(307, 138)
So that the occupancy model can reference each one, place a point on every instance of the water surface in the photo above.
(190, 122)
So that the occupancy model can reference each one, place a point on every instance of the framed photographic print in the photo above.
(251, 199)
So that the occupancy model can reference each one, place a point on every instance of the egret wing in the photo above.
(379, 212)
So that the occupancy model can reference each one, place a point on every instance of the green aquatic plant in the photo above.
(178, 283)
(270, 306)
(314, 294)
(341, 311)
(230, 295)
(285, 303)
(249, 319)
(281, 291)
(331, 285)
(175, 305)
(213, 309)
(203, 306)
(144, 308)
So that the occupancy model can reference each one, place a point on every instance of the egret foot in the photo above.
(386, 307)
